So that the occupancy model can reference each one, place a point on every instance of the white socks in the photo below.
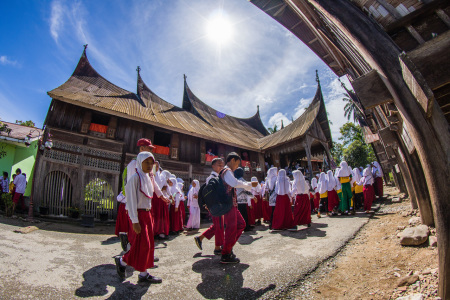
(122, 262)
(143, 274)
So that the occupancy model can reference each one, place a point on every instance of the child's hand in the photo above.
(137, 228)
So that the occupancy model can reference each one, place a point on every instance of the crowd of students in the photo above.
(16, 188)
(152, 204)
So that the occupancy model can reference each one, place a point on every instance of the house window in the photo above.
(99, 124)
(161, 141)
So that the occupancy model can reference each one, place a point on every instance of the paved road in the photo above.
(63, 261)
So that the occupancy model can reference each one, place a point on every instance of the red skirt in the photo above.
(302, 210)
(266, 210)
(122, 220)
(316, 201)
(378, 186)
(369, 195)
(142, 250)
(258, 208)
(251, 214)
(160, 214)
(282, 216)
(333, 200)
(176, 223)
(183, 212)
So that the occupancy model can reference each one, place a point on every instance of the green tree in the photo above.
(354, 149)
(28, 123)
(4, 127)
(337, 152)
(274, 129)
(351, 108)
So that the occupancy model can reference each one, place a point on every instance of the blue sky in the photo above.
(261, 63)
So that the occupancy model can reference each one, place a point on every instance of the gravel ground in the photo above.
(65, 261)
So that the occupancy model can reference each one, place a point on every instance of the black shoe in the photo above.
(229, 259)
(198, 242)
(119, 268)
(149, 279)
(123, 241)
(309, 225)
(155, 259)
(218, 252)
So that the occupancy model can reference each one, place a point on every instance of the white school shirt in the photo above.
(21, 183)
(236, 183)
(191, 200)
(136, 199)
(213, 174)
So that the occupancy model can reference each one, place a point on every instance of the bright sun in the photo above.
(219, 29)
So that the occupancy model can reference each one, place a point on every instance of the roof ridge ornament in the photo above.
(84, 50)
(317, 77)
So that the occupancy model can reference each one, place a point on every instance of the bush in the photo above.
(7, 203)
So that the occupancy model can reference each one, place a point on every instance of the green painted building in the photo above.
(14, 152)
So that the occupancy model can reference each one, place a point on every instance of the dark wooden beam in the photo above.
(371, 90)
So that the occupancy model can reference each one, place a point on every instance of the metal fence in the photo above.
(57, 193)
(99, 198)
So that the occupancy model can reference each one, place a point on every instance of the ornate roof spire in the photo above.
(282, 125)
(317, 77)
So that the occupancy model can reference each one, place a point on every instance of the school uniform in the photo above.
(322, 189)
(194, 209)
(282, 215)
(358, 196)
(345, 177)
(122, 220)
(257, 206)
(271, 192)
(139, 190)
(182, 207)
(216, 230)
(160, 209)
(378, 179)
(333, 199)
(368, 191)
(302, 206)
(234, 223)
(243, 199)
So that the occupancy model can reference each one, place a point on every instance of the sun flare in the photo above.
(219, 29)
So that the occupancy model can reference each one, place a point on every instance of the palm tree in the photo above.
(351, 108)
(273, 130)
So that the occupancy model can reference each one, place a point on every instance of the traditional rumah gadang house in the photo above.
(95, 125)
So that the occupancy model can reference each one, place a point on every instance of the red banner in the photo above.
(98, 128)
(161, 150)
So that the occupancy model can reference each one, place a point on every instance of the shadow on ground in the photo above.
(225, 281)
(98, 278)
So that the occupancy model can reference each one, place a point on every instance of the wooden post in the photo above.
(431, 136)
(307, 144)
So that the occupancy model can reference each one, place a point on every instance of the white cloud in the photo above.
(56, 19)
(4, 60)
(277, 118)
(335, 106)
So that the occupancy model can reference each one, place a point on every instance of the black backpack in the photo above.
(214, 196)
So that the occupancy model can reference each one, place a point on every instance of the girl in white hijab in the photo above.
(300, 192)
(176, 224)
(183, 198)
(378, 179)
(282, 214)
(316, 194)
(333, 199)
(358, 197)
(369, 195)
(194, 209)
(322, 188)
(139, 190)
(345, 176)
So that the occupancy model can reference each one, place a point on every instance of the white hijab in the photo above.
(146, 185)
(356, 175)
(344, 171)
(299, 183)
(314, 183)
(282, 186)
(338, 182)
(195, 188)
(367, 177)
(174, 188)
(271, 178)
(164, 176)
(378, 171)
(322, 186)
(331, 181)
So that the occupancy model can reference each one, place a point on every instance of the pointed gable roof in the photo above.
(298, 128)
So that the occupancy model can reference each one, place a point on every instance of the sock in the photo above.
(143, 274)
(122, 262)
